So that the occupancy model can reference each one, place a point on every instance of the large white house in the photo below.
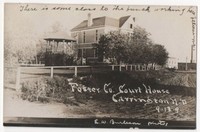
(88, 32)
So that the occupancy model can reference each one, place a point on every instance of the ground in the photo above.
(14, 106)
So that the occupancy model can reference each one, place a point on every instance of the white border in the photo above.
(124, 2)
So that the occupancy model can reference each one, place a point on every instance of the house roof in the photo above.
(122, 20)
(101, 21)
(59, 36)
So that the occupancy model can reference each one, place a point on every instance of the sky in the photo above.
(170, 26)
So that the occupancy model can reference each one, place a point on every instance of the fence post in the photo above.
(18, 78)
(120, 68)
(113, 67)
(126, 67)
(75, 71)
(51, 72)
(148, 68)
(131, 67)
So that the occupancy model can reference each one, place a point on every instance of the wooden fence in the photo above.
(74, 70)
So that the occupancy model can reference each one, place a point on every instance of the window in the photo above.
(79, 52)
(96, 35)
(84, 53)
(131, 26)
(83, 37)
(89, 53)
(95, 52)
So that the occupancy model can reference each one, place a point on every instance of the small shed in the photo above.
(187, 66)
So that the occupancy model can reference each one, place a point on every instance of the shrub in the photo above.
(58, 59)
(45, 88)
(32, 90)
(133, 80)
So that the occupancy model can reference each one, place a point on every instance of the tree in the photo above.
(41, 50)
(19, 48)
(56, 27)
(140, 36)
(134, 48)
(140, 45)
(9, 57)
(113, 46)
(159, 54)
(104, 47)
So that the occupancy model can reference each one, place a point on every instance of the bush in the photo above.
(32, 90)
(98, 80)
(133, 80)
(45, 88)
(80, 97)
(59, 59)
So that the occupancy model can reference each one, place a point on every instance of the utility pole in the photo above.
(192, 49)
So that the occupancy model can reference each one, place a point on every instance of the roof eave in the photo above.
(85, 28)
(60, 39)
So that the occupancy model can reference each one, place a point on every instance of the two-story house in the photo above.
(88, 32)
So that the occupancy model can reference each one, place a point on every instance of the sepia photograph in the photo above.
(100, 66)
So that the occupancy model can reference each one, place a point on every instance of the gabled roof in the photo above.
(122, 20)
(101, 21)
(59, 36)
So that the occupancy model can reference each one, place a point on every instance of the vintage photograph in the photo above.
(110, 66)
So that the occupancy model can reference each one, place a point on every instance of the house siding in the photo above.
(126, 26)
(90, 35)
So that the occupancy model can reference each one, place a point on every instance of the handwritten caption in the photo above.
(128, 122)
(148, 9)
(147, 96)
(193, 21)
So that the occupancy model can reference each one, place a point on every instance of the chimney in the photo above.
(89, 19)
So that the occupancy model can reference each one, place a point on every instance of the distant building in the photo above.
(172, 62)
(88, 32)
(186, 66)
